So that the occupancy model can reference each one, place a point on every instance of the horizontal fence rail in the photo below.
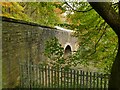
(44, 76)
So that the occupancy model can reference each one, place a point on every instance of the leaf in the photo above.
(17, 6)
(6, 4)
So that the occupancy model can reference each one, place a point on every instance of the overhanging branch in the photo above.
(105, 10)
(115, 49)
(119, 7)
(78, 10)
(97, 43)
(115, 3)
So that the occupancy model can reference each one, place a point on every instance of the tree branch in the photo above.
(115, 49)
(78, 10)
(97, 43)
(108, 13)
(105, 10)
(119, 7)
(33, 11)
(115, 3)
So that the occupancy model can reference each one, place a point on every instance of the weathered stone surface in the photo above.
(22, 41)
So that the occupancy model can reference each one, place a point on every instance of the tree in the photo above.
(97, 41)
(105, 10)
(109, 14)
(44, 13)
(13, 10)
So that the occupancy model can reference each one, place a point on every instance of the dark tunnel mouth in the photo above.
(67, 51)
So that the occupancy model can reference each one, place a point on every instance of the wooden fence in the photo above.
(43, 76)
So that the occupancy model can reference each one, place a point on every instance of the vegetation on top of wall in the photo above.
(44, 13)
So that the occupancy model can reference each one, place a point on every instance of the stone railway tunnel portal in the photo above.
(21, 39)
(68, 42)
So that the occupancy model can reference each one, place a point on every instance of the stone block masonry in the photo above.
(23, 41)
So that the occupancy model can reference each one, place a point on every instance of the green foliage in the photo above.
(13, 10)
(53, 48)
(43, 13)
(98, 43)
(54, 52)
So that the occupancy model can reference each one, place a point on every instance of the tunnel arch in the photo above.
(67, 50)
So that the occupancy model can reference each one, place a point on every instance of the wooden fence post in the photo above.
(41, 76)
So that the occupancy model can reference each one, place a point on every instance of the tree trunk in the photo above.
(114, 81)
(105, 10)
